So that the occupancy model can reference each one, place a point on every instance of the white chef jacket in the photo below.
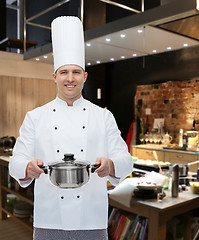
(87, 131)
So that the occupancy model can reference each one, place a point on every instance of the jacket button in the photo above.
(57, 150)
(55, 128)
(78, 196)
(54, 110)
(84, 109)
(62, 197)
(82, 150)
(83, 127)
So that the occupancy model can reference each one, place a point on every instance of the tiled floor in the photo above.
(12, 230)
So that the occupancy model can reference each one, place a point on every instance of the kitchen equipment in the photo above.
(175, 181)
(167, 138)
(7, 142)
(69, 173)
(193, 137)
(184, 168)
(184, 141)
(180, 144)
(156, 158)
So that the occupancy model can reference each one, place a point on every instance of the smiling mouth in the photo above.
(69, 86)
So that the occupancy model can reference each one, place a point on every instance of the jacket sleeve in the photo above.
(117, 151)
(23, 152)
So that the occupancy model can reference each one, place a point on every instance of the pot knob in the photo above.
(68, 157)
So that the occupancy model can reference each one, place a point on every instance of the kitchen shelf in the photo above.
(24, 221)
(20, 194)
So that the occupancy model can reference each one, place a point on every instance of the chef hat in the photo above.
(68, 42)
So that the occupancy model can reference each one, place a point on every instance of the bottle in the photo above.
(175, 181)
(185, 141)
(180, 144)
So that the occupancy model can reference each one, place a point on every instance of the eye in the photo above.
(63, 72)
(77, 72)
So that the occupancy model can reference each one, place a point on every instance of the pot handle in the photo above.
(44, 168)
(94, 167)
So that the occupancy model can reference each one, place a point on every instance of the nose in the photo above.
(70, 77)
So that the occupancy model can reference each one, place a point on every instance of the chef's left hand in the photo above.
(107, 167)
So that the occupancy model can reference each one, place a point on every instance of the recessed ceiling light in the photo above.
(139, 30)
(168, 48)
(88, 64)
(122, 57)
(122, 35)
(97, 62)
(88, 44)
(108, 39)
(112, 59)
(45, 57)
(37, 59)
(185, 45)
(154, 51)
(134, 55)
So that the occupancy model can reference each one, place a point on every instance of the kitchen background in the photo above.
(118, 81)
(175, 101)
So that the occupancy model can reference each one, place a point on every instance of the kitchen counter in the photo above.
(165, 148)
(159, 212)
(167, 154)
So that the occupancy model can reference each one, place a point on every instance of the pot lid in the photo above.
(69, 162)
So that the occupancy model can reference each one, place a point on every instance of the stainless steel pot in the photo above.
(69, 173)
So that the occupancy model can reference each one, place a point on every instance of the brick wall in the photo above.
(175, 101)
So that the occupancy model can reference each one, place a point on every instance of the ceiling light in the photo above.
(112, 59)
(45, 57)
(88, 64)
(154, 51)
(88, 44)
(108, 39)
(139, 30)
(134, 55)
(122, 57)
(185, 45)
(122, 35)
(168, 48)
(37, 59)
(97, 62)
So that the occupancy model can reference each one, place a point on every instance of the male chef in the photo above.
(70, 124)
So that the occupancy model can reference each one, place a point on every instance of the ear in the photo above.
(54, 76)
(85, 76)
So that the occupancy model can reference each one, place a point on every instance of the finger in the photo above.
(98, 161)
(39, 162)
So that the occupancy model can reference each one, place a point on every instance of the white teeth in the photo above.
(70, 86)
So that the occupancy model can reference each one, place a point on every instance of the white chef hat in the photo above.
(68, 42)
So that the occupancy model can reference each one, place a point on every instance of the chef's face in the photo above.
(70, 81)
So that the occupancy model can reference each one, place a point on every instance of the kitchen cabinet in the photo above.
(20, 194)
(166, 155)
(182, 158)
(148, 154)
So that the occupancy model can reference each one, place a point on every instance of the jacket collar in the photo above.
(78, 102)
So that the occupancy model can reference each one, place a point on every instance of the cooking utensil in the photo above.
(156, 158)
(184, 168)
(69, 173)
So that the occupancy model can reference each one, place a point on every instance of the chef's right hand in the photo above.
(32, 169)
